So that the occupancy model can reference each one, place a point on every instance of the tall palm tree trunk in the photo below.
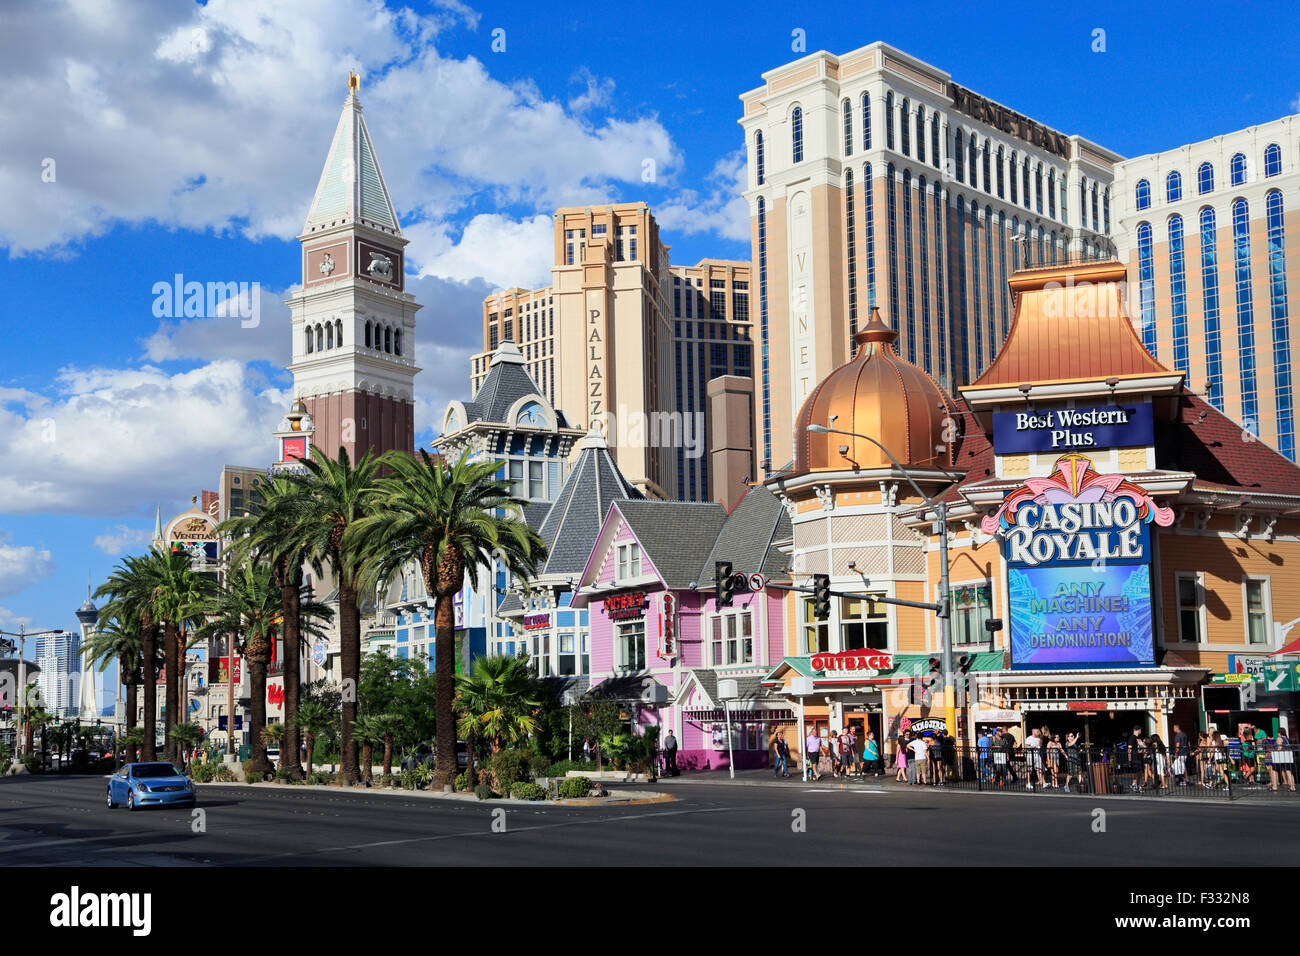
(350, 666)
(149, 650)
(444, 689)
(132, 698)
(257, 712)
(290, 601)
(171, 648)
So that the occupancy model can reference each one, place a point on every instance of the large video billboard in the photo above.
(1078, 551)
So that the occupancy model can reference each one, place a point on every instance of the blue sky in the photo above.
(188, 139)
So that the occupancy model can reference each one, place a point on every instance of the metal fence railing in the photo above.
(1232, 772)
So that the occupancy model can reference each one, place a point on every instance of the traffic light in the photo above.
(964, 663)
(934, 672)
(722, 580)
(821, 596)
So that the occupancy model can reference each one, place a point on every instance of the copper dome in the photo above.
(881, 395)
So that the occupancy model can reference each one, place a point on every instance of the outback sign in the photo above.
(852, 662)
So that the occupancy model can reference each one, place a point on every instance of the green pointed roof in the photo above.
(352, 187)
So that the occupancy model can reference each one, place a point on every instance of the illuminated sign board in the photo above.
(1073, 429)
(534, 621)
(852, 663)
(1078, 551)
(631, 604)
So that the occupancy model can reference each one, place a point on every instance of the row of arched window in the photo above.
(383, 338)
(329, 335)
(1205, 177)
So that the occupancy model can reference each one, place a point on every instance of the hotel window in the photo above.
(1178, 293)
(1281, 324)
(959, 156)
(568, 661)
(1272, 160)
(863, 624)
(1001, 173)
(1245, 315)
(1024, 181)
(1204, 179)
(908, 266)
(960, 300)
(629, 561)
(626, 250)
(1146, 286)
(1173, 187)
(866, 121)
(971, 606)
(973, 159)
(507, 331)
(1191, 608)
(816, 634)
(869, 237)
(847, 108)
(934, 140)
(988, 169)
(758, 156)
(311, 342)
(1013, 179)
(905, 128)
(1238, 169)
(1094, 210)
(924, 260)
(938, 273)
(978, 326)
(796, 133)
(739, 304)
(851, 231)
(889, 120)
(1142, 196)
(629, 643)
(1038, 189)
(574, 241)
(1258, 601)
(1002, 261)
(762, 321)
(733, 638)
(1051, 194)
(893, 245)
(1105, 211)
(1083, 205)
(920, 133)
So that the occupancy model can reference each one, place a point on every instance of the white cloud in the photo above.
(120, 539)
(723, 211)
(111, 441)
(22, 565)
(506, 252)
(599, 91)
(219, 117)
(9, 619)
(264, 336)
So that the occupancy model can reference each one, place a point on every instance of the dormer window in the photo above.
(629, 561)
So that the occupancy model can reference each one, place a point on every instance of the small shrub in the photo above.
(32, 763)
(574, 787)
(527, 791)
(322, 778)
(561, 767)
(203, 773)
(251, 775)
(409, 779)
(287, 776)
(387, 780)
(462, 781)
(224, 774)
(508, 768)
(483, 791)
(539, 766)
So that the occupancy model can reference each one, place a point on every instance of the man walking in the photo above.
(782, 768)
(1182, 750)
(984, 745)
(670, 755)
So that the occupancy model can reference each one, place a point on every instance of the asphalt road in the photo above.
(57, 821)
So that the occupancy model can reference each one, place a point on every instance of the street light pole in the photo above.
(945, 608)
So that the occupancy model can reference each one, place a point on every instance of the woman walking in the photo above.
(1055, 760)
(1160, 757)
(900, 761)
(1221, 758)
(871, 756)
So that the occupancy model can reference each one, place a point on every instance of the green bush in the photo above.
(203, 773)
(32, 763)
(285, 776)
(410, 779)
(462, 781)
(224, 774)
(527, 791)
(561, 767)
(509, 767)
(387, 780)
(572, 788)
(321, 777)
(483, 792)
(251, 776)
(539, 765)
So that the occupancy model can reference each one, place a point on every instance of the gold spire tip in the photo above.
(354, 81)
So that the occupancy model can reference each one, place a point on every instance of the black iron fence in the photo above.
(1228, 773)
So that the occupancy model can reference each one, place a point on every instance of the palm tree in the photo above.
(186, 736)
(248, 604)
(499, 700)
(368, 731)
(118, 639)
(452, 520)
(36, 718)
(387, 725)
(273, 735)
(267, 533)
(130, 587)
(179, 596)
(336, 495)
(313, 719)
(132, 741)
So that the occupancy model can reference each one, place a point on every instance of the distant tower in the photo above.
(88, 694)
(353, 322)
(294, 438)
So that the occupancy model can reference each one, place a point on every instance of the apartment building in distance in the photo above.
(624, 341)
(874, 179)
(1210, 233)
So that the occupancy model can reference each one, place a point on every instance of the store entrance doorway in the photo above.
(861, 722)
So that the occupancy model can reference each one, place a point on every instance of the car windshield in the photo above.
(154, 770)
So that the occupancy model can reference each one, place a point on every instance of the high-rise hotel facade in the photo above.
(624, 340)
(874, 179)
(1210, 233)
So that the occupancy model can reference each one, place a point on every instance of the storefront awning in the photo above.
(906, 667)
(717, 714)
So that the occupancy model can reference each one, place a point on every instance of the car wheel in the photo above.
(130, 800)
(111, 804)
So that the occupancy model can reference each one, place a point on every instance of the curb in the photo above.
(630, 798)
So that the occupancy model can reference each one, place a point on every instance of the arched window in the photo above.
(758, 155)
(866, 120)
(1015, 241)
(1173, 187)
(1178, 294)
(869, 222)
(1281, 321)
(1001, 173)
(369, 340)
(796, 134)
(311, 342)
(889, 120)
(1204, 179)
(1094, 210)
(976, 298)
(988, 171)
(388, 339)
(1272, 160)
(923, 260)
(1210, 308)
(908, 265)
(338, 332)
(905, 126)
(935, 159)
(1105, 211)
(1238, 169)
(973, 160)
(847, 109)
(1015, 178)
(891, 191)
(920, 133)
(851, 232)
(959, 156)
(320, 339)
(1142, 195)
(397, 343)
(1038, 188)
(1245, 312)
(329, 335)
(1025, 183)
(1083, 205)
(1051, 193)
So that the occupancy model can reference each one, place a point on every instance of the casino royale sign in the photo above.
(1066, 429)
(1076, 531)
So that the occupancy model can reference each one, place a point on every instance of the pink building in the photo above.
(662, 646)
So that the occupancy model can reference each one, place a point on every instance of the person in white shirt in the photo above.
(1034, 760)
(922, 763)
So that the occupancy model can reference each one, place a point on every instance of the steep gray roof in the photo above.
(747, 688)
(506, 382)
(746, 539)
(674, 534)
(573, 523)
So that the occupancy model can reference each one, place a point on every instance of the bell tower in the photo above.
(353, 320)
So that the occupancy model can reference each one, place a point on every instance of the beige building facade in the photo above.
(1210, 233)
(874, 179)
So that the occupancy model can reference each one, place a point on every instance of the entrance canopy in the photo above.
(846, 670)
